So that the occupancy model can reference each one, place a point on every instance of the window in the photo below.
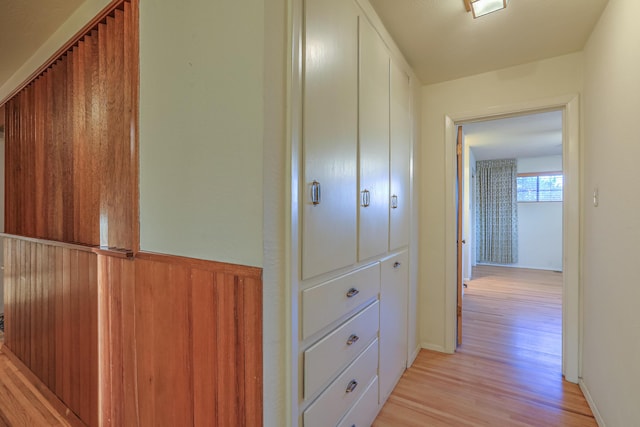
(540, 187)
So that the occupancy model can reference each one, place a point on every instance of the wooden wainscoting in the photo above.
(198, 329)
(51, 318)
(154, 340)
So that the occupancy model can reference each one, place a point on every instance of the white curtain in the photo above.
(497, 211)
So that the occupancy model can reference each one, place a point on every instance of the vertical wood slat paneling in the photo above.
(156, 340)
(71, 150)
(163, 335)
(51, 295)
(198, 343)
(117, 342)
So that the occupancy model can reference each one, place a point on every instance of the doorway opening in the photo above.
(568, 106)
(510, 238)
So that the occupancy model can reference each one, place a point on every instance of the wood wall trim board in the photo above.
(98, 250)
(132, 10)
(214, 266)
(109, 9)
(57, 404)
(66, 245)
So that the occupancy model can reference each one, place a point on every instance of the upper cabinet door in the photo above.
(330, 123)
(373, 143)
(400, 191)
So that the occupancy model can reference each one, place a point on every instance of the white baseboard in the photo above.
(434, 347)
(528, 267)
(412, 356)
(591, 403)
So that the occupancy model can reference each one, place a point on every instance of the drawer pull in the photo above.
(316, 196)
(352, 386)
(394, 202)
(353, 339)
(396, 264)
(352, 292)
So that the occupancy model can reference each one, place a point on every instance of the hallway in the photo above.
(507, 372)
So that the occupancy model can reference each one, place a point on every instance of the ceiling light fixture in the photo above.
(483, 7)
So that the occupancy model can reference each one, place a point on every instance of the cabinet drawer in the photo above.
(336, 400)
(331, 300)
(365, 410)
(328, 356)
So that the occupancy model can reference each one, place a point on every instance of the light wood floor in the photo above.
(21, 404)
(507, 371)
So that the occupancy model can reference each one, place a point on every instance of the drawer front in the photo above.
(344, 391)
(328, 356)
(363, 413)
(331, 300)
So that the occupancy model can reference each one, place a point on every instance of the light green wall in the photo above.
(201, 129)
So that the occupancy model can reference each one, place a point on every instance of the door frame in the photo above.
(571, 295)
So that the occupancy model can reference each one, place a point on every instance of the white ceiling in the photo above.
(25, 25)
(533, 135)
(442, 41)
(438, 37)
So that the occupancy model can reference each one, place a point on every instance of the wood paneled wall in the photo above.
(197, 328)
(71, 141)
(51, 297)
(149, 340)
(154, 340)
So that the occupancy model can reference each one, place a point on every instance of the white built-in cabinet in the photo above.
(393, 321)
(373, 143)
(400, 158)
(330, 136)
(354, 207)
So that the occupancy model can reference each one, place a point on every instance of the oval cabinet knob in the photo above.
(351, 386)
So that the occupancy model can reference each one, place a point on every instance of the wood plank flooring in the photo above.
(21, 404)
(507, 372)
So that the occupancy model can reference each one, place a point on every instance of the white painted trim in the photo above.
(571, 242)
(294, 153)
(412, 356)
(591, 403)
(569, 104)
(434, 347)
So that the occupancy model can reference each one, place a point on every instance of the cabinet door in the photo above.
(400, 161)
(330, 119)
(373, 143)
(393, 321)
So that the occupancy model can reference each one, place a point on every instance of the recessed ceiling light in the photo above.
(483, 7)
